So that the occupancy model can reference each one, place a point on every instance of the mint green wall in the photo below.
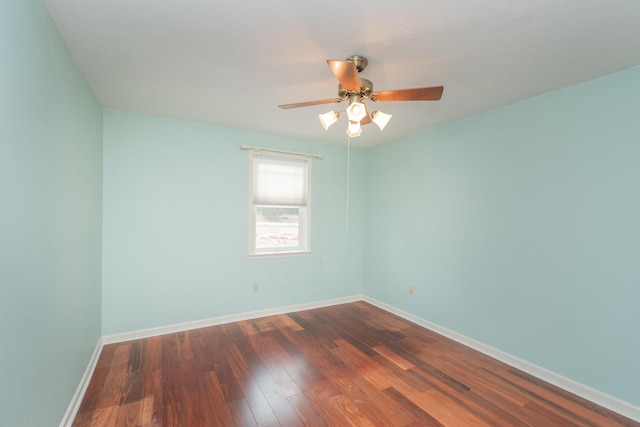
(50, 219)
(175, 225)
(520, 228)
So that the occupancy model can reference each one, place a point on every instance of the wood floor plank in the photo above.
(441, 406)
(215, 399)
(285, 360)
(171, 381)
(90, 399)
(319, 392)
(509, 406)
(546, 416)
(82, 418)
(306, 412)
(421, 417)
(151, 366)
(104, 416)
(277, 399)
(147, 416)
(194, 391)
(228, 382)
(369, 400)
(241, 414)
(437, 405)
(277, 371)
(284, 320)
(546, 397)
(352, 413)
(173, 415)
(345, 365)
(131, 414)
(112, 389)
(393, 357)
(256, 400)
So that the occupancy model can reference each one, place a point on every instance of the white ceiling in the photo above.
(231, 63)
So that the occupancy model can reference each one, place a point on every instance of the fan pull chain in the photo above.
(348, 176)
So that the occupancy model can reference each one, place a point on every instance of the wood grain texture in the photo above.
(346, 365)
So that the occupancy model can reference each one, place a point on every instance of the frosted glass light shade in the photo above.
(356, 111)
(380, 119)
(327, 119)
(354, 129)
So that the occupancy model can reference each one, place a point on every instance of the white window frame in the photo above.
(304, 219)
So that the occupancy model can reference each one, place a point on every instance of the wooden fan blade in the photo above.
(419, 94)
(309, 103)
(346, 73)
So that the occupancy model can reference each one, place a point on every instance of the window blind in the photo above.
(279, 182)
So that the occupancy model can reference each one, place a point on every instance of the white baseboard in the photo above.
(595, 396)
(76, 400)
(179, 327)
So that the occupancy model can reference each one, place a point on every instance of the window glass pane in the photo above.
(277, 227)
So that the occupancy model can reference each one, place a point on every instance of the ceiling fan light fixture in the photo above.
(354, 129)
(327, 119)
(380, 119)
(356, 111)
(354, 89)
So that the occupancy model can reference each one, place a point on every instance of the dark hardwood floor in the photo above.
(345, 365)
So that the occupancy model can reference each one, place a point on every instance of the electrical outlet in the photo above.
(410, 289)
(255, 286)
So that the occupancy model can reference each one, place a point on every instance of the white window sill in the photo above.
(277, 254)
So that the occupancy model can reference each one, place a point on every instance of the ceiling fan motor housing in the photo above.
(366, 89)
(360, 61)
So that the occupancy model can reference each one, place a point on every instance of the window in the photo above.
(279, 204)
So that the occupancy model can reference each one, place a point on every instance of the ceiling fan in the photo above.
(354, 89)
